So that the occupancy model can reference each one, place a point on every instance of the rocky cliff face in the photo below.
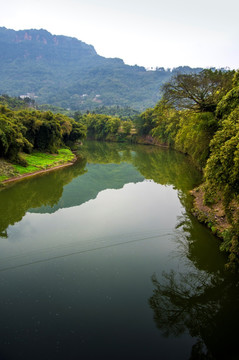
(42, 44)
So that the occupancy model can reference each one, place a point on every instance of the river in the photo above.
(103, 259)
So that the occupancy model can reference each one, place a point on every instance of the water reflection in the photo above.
(205, 305)
(164, 166)
(97, 178)
(82, 274)
(33, 192)
(202, 299)
(111, 167)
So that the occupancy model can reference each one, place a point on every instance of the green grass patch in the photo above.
(6, 170)
(36, 161)
(3, 177)
(20, 170)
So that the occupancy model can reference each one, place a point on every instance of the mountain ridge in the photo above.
(66, 72)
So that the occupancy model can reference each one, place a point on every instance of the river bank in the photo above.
(38, 163)
(214, 216)
(36, 173)
(222, 223)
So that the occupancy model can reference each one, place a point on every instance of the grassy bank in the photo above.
(36, 162)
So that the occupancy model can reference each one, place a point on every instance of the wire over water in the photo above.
(96, 243)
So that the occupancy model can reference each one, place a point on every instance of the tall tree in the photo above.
(200, 92)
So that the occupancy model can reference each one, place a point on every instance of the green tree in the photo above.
(166, 123)
(194, 135)
(25, 130)
(200, 92)
(222, 169)
(12, 140)
(145, 122)
(230, 101)
(126, 127)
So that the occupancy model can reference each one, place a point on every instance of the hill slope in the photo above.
(66, 72)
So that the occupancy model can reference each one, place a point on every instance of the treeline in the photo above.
(124, 113)
(199, 115)
(26, 130)
(105, 127)
(16, 103)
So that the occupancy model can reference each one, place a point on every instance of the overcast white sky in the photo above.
(166, 33)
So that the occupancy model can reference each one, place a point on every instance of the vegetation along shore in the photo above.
(38, 163)
(33, 141)
(198, 115)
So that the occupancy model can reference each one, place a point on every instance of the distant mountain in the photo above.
(66, 72)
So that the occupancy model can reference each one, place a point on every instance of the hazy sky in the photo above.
(166, 33)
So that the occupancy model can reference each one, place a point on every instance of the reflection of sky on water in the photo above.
(97, 178)
(136, 211)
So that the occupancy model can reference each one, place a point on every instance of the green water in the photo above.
(104, 260)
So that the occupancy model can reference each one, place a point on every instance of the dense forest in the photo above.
(27, 130)
(106, 127)
(199, 116)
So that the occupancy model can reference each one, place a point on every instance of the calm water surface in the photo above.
(104, 260)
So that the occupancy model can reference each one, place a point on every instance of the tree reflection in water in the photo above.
(204, 305)
(204, 299)
(33, 192)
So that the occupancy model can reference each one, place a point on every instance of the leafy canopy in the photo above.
(200, 92)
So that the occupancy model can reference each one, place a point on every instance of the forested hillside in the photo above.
(68, 73)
